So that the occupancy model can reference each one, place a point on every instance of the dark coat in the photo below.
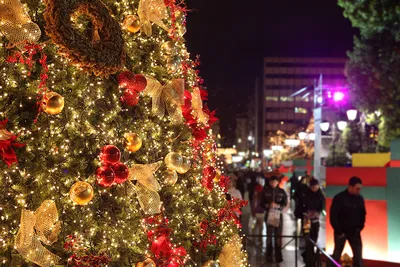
(277, 195)
(299, 197)
(347, 214)
(314, 201)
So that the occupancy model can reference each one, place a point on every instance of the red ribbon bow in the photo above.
(7, 152)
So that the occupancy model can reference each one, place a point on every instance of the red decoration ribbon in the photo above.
(7, 152)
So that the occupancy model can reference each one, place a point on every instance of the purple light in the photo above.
(338, 96)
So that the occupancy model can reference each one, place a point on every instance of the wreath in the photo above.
(99, 49)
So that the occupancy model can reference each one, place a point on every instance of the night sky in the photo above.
(232, 37)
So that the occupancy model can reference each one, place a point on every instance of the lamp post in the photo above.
(341, 125)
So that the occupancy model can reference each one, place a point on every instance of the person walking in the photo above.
(258, 212)
(347, 217)
(314, 204)
(299, 196)
(274, 199)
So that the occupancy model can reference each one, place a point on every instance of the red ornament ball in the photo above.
(126, 79)
(105, 176)
(110, 154)
(130, 97)
(209, 172)
(121, 172)
(140, 83)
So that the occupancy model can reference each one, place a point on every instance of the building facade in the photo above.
(285, 76)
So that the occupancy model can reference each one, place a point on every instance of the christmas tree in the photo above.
(106, 154)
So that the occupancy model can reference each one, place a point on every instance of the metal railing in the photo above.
(316, 262)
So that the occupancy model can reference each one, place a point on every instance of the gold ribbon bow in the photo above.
(231, 254)
(37, 227)
(147, 187)
(197, 106)
(152, 11)
(16, 24)
(166, 98)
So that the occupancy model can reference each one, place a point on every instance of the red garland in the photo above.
(19, 57)
(81, 257)
(7, 152)
(175, 7)
(231, 211)
(165, 253)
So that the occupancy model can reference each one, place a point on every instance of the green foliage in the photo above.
(63, 149)
(352, 138)
(375, 59)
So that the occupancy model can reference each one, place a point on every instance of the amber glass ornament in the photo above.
(133, 142)
(132, 24)
(81, 193)
(173, 161)
(53, 103)
(146, 263)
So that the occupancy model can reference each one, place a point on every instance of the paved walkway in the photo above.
(256, 251)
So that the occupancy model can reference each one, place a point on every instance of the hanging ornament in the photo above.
(131, 81)
(130, 98)
(211, 263)
(110, 154)
(173, 161)
(217, 176)
(185, 166)
(81, 193)
(121, 172)
(171, 177)
(131, 24)
(132, 141)
(147, 263)
(53, 103)
(173, 64)
(105, 176)
(169, 49)
(16, 24)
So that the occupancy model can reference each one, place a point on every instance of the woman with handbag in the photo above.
(274, 199)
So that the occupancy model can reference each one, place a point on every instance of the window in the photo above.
(286, 99)
(301, 99)
(272, 98)
(300, 110)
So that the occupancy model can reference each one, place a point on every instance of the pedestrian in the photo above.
(258, 212)
(232, 191)
(314, 204)
(299, 196)
(240, 182)
(274, 199)
(347, 217)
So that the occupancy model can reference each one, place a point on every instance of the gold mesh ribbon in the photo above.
(166, 98)
(147, 187)
(231, 254)
(152, 11)
(16, 24)
(37, 227)
(197, 106)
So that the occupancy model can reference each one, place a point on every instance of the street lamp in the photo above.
(311, 136)
(351, 114)
(324, 126)
(341, 125)
(292, 142)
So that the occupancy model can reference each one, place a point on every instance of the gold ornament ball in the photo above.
(81, 193)
(146, 263)
(171, 177)
(53, 104)
(133, 142)
(185, 167)
(132, 24)
(211, 263)
(168, 48)
(173, 64)
(173, 161)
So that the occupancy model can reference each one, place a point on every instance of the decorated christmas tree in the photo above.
(106, 155)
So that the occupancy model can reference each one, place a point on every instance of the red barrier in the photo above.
(371, 176)
(375, 234)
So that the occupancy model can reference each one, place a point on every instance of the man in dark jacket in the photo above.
(347, 218)
(314, 204)
(275, 198)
